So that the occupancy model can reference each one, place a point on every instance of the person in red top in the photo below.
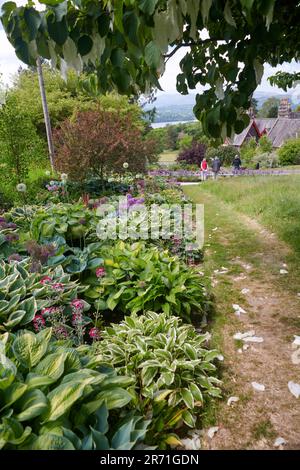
(203, 169)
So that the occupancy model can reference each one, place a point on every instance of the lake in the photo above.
(157, 125)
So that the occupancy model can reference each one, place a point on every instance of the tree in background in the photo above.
(247, 151)
(19, 144)
(2, 91)
(289, 153)
(265, 144)
(99, 142)
(254, 105)
(269, 108)
(226, 154)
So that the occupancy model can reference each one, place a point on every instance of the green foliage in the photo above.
(289, 153)
(284, 80)
(19, 144)
(139, 278)
(23, 293)
(265, 144)
(226, 153)
(129, 53)
(248, 150)
(185, 142)
(173, 372)
(269, 108)
(54, 397)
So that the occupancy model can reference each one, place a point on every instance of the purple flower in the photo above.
(12, 237)
(94, 333)
(14, 257)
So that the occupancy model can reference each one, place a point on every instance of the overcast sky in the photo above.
(9, 65)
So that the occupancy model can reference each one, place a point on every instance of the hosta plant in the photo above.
(55, 397)
(136, 278)
(173, 370)
(24, 295)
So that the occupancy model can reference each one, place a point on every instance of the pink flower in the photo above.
(45, 280)
(94, 333)
(77, 305)
(76, 318)
(38, 322)
(100, 272)
(58, 286)
(61, 332)
(50, 310)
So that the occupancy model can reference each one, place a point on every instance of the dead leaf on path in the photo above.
(258, 387)
(245, 291)
(283, 271)
(296, 357)
(294, 388)
(238, 309)
(279, 442)
(296, 340)
(214, 229)
(193, 443)
(232, 400)
(239, 335)
(254, 339)
(212, 431)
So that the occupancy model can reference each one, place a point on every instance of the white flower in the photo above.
(125, 165)
(52, 182)
(64, 176)
(47, 173)
(21, 187)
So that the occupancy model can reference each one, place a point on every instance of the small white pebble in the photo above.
(294, 388)
(283, 271)
(296, 340)
(245, 291)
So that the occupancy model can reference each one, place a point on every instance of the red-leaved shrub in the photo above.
(193, 155)
(98, 142)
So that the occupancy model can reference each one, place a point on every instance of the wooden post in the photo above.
(46, 112)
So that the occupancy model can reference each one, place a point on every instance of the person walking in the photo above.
(216, 165)
(236, 164)
(203, 169)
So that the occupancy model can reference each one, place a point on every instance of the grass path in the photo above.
(253, 257)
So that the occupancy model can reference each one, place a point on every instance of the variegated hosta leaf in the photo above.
(29, 348)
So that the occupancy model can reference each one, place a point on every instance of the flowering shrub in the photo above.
(54, 397)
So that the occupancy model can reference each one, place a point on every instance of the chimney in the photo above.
(284, 110)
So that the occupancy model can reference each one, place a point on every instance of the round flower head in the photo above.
(21, 187)
(47, 173)
(125, 165)
(100, 272)
(64, 176)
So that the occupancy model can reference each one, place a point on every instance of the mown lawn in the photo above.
(169, 156)
(273, 201)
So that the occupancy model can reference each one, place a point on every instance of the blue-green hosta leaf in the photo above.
(33, 403)
(122, 438)
(52, 442)
(100, 441)
(29, 348)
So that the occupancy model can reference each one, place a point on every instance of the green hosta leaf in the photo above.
(30, 307)
(14, 319)
(29, 348)
(111, 302)
(8, 372)
(148, 374)
(115, 398)
(52, 442)
(63, 397)
(38, 381)
(187, 397)
(152, 55)
(12, 394)
(52, 365)
(194, 389)
(33, 403)
(100, 442)
(122, 440)
(189, 419)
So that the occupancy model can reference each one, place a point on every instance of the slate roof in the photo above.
(277, 129)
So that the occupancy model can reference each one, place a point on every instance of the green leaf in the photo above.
(52, 365)
(228, 14)
(33, 403)
(187, 397)
(205, 7)
(117, 57)
(29, 348)
(152, 55)
(194, 389)
(115, 398)
(14, 319)
(12, 394)
(33, 21)
(189, 419)
(58, 31)
(63, 397)
(85, 44)
(52, 442)
(148, 6)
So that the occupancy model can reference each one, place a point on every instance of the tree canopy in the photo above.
(128, 43)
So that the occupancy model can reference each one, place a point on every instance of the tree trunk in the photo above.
(46, 112)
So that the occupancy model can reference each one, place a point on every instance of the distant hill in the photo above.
(175, 107)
